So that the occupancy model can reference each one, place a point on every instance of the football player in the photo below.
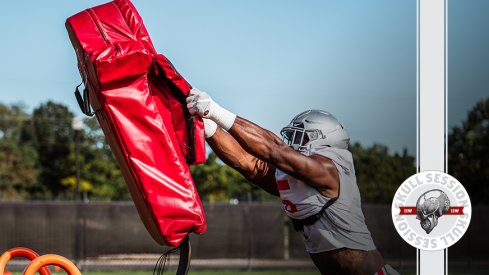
(311, 170)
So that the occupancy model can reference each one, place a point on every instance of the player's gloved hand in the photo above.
(201, 103)
(210, 128)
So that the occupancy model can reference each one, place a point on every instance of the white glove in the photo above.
(210, 128)
(201, 103)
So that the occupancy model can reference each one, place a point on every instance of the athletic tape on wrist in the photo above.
(223, 118)
(210, 128)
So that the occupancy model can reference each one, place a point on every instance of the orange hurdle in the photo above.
(20, 252)
(38, 263)
(51, 259)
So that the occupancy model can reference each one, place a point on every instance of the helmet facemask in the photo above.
(300, 139)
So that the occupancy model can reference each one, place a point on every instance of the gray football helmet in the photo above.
(315, 128)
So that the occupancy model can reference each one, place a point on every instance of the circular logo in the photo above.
(431, 210)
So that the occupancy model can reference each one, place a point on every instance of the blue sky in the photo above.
(264, 60)
(468, 56)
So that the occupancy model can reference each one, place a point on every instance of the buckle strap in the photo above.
(298, 224)
(83, 102)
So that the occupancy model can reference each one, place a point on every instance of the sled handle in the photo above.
(184, 261)
(185, 255)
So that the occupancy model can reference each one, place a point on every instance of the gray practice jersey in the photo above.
(343, 223)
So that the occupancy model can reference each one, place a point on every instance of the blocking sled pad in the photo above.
(139, 100)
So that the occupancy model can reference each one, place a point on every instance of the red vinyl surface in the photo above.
(139, 100)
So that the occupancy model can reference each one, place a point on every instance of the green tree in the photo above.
(379, 173)
(37, 161)
(468, 151)
(18, 170)
(99, 166)
(49, 131)
(11, 119)
(216, 181)
(18, 164)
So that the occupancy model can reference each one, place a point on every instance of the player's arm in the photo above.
(230, 152)
(317, 171)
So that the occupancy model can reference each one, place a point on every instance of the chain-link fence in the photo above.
(111, 236)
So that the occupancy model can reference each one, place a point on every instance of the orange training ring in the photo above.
(20, 252)
(51, 259)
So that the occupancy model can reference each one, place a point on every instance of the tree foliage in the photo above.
(37, 156)
(18, 164)
(379, 173)
(99, 166)
(49, 131)
(37, 161)
(216, 181)
(468, 151)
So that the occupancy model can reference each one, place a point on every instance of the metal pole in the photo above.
(77, 165)
(77, 125)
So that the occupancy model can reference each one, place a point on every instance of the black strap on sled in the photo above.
(83, 102)
(299, 224)
(184, 261)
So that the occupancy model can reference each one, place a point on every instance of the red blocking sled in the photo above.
(139, 100)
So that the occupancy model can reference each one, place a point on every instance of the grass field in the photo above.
(254, 272)
(257, 272)
(201, 272)
(217, 272)
(205, 272)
